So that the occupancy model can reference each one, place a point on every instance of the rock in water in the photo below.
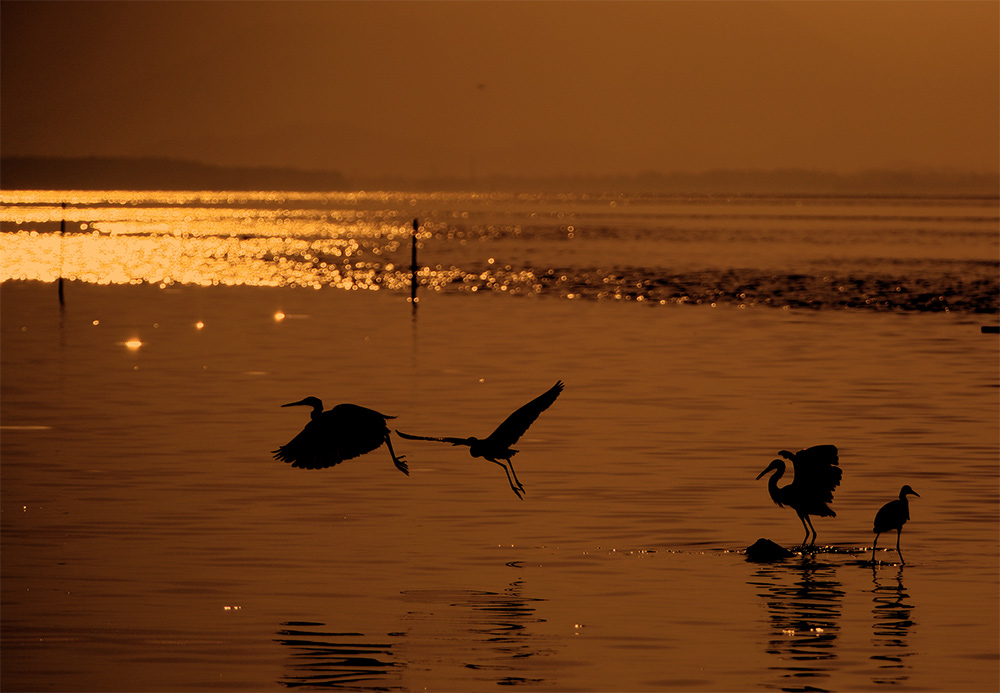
(765, 550)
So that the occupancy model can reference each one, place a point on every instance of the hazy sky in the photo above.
(422, 88)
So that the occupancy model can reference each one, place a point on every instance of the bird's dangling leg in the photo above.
(874, 545)
(514, 488)
(400, 461)
(516, 480)
(898, 533)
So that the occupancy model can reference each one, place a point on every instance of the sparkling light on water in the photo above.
(933, 254)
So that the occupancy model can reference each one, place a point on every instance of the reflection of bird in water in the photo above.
(892, 620)
(893, 515)
(805, 602)
(496, 447)
(342, 433)
(817, 474)
(323, 658)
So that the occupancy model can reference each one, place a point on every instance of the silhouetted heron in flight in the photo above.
(496, 447)
(893, 515)
(342, 433)
(816, 475)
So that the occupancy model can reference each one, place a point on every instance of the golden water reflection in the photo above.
(348, 241)
(929, 254)
(132, 259)
(164, 260)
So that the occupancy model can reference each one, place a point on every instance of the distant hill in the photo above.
(123, 173)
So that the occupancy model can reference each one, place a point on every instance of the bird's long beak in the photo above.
(766, 470)
(914, 493)
(294, 404)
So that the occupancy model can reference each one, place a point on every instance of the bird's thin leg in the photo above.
(516, 480)
(509, 480)
(898, 532)
(802, 518)
(874, 544)
(813, 540)
(398, 461)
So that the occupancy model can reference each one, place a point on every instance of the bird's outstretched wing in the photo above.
(517, 423)
(817, 470)
(308, 450)
(453, 441)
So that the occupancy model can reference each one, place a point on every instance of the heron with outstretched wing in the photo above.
(497, 446)
(817, 474)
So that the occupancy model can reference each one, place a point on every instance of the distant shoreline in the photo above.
(161, 173)
(124, 173)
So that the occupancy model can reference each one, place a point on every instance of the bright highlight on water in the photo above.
(869, 253)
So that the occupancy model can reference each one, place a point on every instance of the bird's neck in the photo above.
(316, 411)
(772, 485)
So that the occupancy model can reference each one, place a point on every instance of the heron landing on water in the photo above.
(497, 446)
(817, 474)
(893, 515)
(342, 433)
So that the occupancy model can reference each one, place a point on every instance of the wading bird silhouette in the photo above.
(342, 433)
(496, 446)
(893, 515)
(816, 475)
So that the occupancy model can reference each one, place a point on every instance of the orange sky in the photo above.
(419, 88)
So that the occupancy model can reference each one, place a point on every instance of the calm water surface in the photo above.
(151, 543)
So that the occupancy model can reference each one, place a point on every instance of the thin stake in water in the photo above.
(62, 230)
(413, 262)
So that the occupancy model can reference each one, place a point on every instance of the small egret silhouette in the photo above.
(496, 447)
(893, 515)
(817, 474)
(342, 433)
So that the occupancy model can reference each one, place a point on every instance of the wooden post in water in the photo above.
(62, 230)
(413, 263)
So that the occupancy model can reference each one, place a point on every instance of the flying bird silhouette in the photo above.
(497, 446)
(817, 474)
(342, 433)
(893, 515)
